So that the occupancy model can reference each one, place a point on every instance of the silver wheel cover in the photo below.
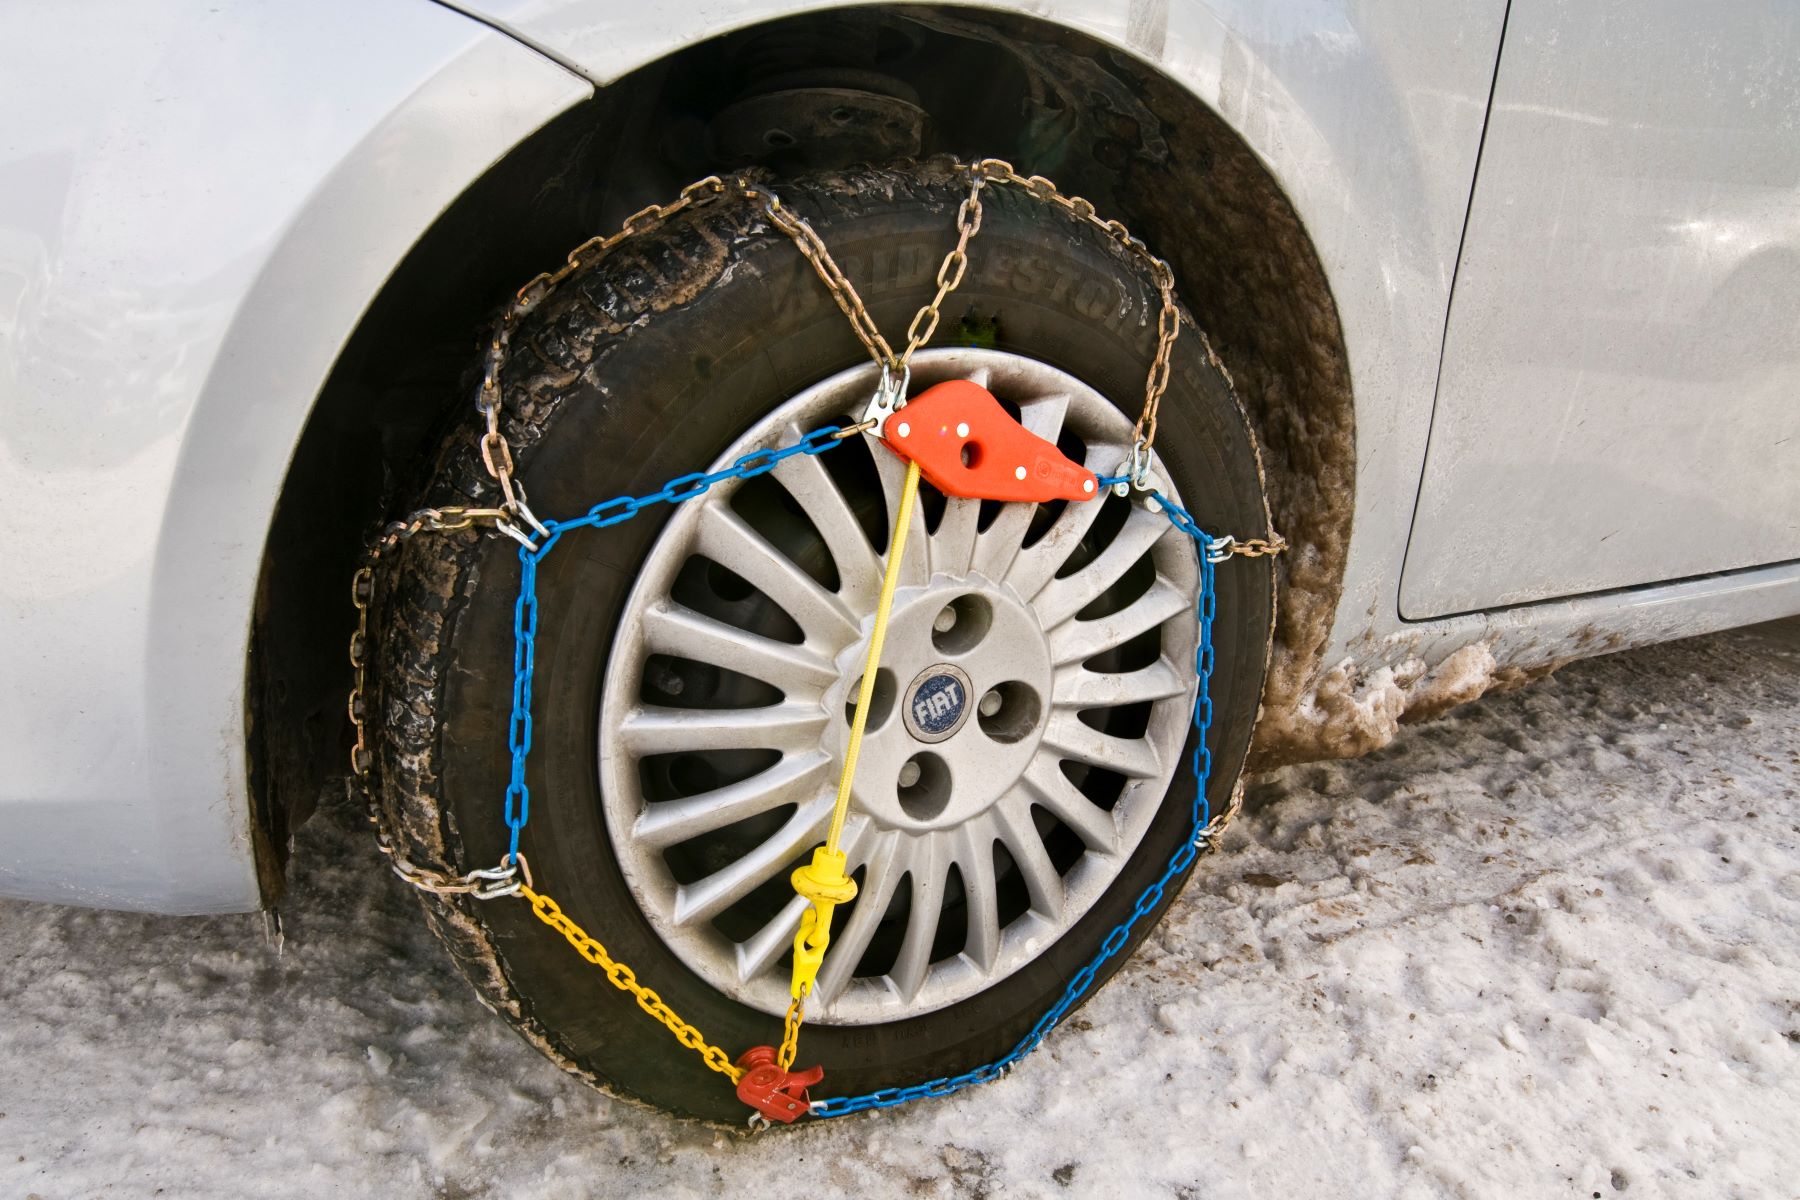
(976, 738)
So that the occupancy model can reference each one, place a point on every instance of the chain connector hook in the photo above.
(1135, 471)
(518, 509)
(775, 1093)
(1137, 474)
(889, 398)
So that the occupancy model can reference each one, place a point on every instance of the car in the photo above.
(492, 407)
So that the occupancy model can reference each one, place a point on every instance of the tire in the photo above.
(648, 365)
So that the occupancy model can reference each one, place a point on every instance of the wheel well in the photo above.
(810, 91)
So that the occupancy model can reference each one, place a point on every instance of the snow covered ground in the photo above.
(1547, 946)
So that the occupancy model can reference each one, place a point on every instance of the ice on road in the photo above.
(1546, 946)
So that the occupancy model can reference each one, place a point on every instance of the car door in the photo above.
(1619, 397)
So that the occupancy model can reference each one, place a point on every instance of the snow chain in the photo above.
(764, 1074)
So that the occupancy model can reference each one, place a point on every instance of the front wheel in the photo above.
(1024, 777)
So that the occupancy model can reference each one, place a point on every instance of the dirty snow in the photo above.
(1546, 946)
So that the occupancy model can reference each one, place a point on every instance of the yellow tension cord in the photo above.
(824, 881)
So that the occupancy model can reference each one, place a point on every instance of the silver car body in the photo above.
(198, 205)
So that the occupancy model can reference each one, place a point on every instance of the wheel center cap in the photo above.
(959, 706)
(937, 702)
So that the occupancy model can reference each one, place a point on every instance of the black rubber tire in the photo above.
(647, 365)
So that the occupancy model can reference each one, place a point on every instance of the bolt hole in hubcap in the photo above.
(961, 624)
(1010, 712)
(881, 702)
(924, 786)
(1026, 720)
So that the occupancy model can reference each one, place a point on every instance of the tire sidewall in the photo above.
(665, 395)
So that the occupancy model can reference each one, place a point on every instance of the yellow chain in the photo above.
(625, 980)
(790, 1033)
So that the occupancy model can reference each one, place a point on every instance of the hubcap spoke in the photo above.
(1051, 788)
(975, 864)
(1078, 687)
(927, 877)
(884, 868)
(707, 898)
(953, 544)
(681, 631)
(858, 563)
(1020, 837)
(728, 540)
(650, 729)
(764, 947)
(1063, 598)
(1131, 757)
(789, 781)
(1077, 641)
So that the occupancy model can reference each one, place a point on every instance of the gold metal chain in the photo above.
(625, 979)
(512, 876)
(484, 883)
(1268, 547)
(1168, 317)
(950, 271)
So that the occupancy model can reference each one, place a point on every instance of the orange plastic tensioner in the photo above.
(967, 445)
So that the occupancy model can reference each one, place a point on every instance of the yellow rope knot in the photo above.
(824, 882)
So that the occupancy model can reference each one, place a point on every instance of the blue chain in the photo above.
(761, 462)
(1198, 838)
(525, 611)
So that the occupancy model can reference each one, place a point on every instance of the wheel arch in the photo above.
(1139, 143)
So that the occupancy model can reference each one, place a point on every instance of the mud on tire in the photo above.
(644, 366)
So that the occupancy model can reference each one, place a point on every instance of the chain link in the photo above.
(362, 595)
(812, 248)
(1225, 547)
(790, 1033)
(950, 271)
(1168, 317)
(625, 979)
(484, 884)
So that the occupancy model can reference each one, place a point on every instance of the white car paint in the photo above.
(198, 209)
(1618, 401)
(212, 198)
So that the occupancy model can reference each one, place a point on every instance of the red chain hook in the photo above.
(777, 1094)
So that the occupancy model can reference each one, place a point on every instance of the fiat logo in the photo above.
(937, 702)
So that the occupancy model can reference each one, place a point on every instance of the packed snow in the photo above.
(1548, 945)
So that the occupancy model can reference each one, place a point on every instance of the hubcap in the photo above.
(1027, 717)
